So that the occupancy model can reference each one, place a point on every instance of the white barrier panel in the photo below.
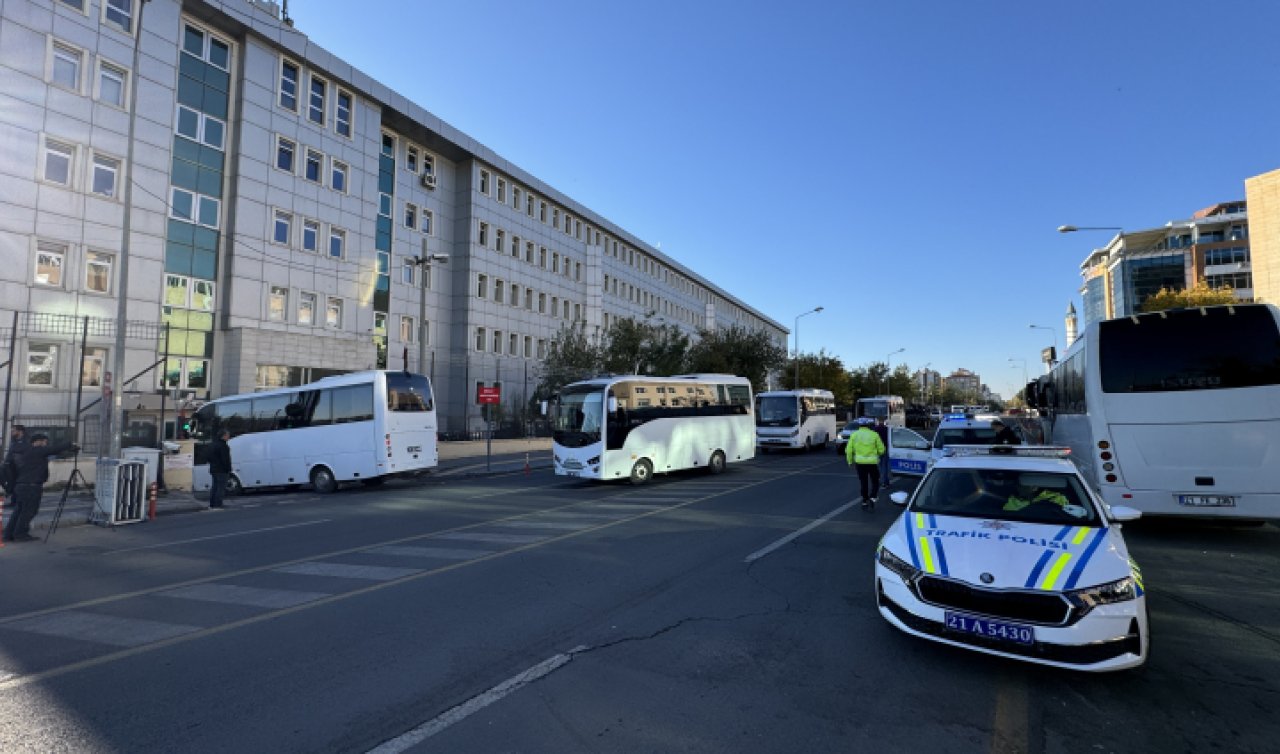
(120, 494)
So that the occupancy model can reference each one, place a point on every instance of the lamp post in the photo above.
(814, 310)
(888, 370)
(1024, 367)
(1055, 340)
(423, 263)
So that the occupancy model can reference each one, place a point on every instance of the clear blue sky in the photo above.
(903, 164)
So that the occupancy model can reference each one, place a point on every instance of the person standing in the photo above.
(219, 468)
(863, 452)
(9, 469)
(882, 429)
(1004, 435)
(33, 472)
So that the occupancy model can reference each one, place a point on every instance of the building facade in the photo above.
(1263, 194)
(1212, 247)
(280, 203)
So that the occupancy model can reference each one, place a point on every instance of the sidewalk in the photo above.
(465, 459)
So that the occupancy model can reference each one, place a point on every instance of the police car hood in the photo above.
(1009, 555)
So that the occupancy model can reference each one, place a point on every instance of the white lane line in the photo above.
(583, 515)
(230, 594)
(219, 536)
(806, 528)
(102, 629)
(561, 525)
(347, 571)
(406, 741)
(444, 553)
(631, 506)
(505, 539)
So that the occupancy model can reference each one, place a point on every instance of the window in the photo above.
(528, 347)
(514, 298)
(577, 311)
(195, 208)
(411, 158)
(542, 348)
(65, 66)
(499, 239)
(428, 221)
(515, 197)
(502, 191)
(315, 106)
(408, 330)
(50, 258)
(542, 257)
(484, 234)
(555, 218)
(58, 159)
(118, 13)
(384, 205)
(311, 235)
(528, 299)
(484, 182)
(555, 306)
(513, 345)
(542, 303)
(93, 366)
(307, 309)
(528, 252)
(333, 313)
(482, 286)
(480, 333)
(111, 84)
(285, 149)
(577, 271)
(97, 271)
(528, 205)
(499, 291)
(407, 270)
(288, 85)
(105, 171)
(202, 295)
(342, 118)
(428, 164)
(77, 4)
(313, 167)
(42, 362)
(515, 247)
(337, 243)
(277, 303)
(207, 130)
(410, 215)
(542, 211)
(198, 43)
(555, 262)
(497, 341)
(338, 176)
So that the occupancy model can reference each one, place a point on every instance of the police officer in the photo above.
(33, 472)
(1005, 435)
(9, 469)
(219, 468)
(882, 429)
(863, 452)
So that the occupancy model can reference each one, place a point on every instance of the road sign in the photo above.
(489, 394)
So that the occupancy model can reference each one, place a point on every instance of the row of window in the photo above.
(114, 14)
(512, 344)
(415, 219)
(305, 314)
(1232, 255)
(313, 102)
(510, 294)
(66, 66)
(498, 190)
(568, 267)
(309, 234)
(42, 365)
(62, 161)
(309, 164)
(53, 259)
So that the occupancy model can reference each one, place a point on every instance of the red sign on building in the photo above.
(489, 394)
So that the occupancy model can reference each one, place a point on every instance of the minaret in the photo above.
(1071, 324)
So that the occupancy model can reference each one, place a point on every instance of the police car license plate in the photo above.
(1207, 501)
(991, 629)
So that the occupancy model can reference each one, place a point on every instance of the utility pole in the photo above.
(423, 263)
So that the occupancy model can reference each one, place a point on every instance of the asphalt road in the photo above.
(530, 613)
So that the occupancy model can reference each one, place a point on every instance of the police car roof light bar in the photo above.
(1029, 451)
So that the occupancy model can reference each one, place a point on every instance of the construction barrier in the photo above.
(120, 492)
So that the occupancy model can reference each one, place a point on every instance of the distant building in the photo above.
(1263, 193)
(964, 382)
(1212, 246)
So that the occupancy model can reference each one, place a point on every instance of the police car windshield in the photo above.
(1033, 497)
(964, 436)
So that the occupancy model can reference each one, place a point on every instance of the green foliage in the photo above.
(1200, 295)
(822, 371)
(571, 356)
(640, 347)
(737, 350)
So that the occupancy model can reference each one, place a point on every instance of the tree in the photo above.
(1200, 295)
(737, 350)
(822, 371)
(640, 347)
(571, 356)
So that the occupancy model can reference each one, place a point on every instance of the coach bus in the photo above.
(633, 427)
(1175, 412)
(363, 426)
(891, 408)
(803, 418)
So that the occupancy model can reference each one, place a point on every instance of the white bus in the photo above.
(803, 418)
(363, 426)
(634, 427)
(1173, 413)
(891, 408)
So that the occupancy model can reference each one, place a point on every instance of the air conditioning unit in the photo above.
(428, 180)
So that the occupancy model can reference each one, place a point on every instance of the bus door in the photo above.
(908, 452)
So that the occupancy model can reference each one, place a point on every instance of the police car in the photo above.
(964, 429)
(1005, 550)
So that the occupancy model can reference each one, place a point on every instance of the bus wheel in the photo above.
(641, 472)
(233, 486)
(323, 481)
(716, 464)
(808, 445)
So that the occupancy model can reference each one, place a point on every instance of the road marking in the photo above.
(586, 515)
(546, 524)
(799, 532)
(634, 506)
(102, 629)
(217, 536)
(405, 741)
(1009, 728)
(230, 594)
(444, 553)
(348, 571)
(506, 539)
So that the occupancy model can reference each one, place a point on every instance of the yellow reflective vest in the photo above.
(865, 446)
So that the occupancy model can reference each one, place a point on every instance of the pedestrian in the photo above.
(219, 468)
(1004, 435)
(33, 472)
(882, 429)
(863, 452)
(18, 445)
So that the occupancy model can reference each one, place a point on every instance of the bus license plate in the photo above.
(1207, 501)
(991, 629)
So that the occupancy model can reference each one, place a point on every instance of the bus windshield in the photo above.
(777, 411)
(578, 416)
(408, 392)
(873, 409)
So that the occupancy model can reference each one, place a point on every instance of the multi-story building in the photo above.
(1263, 195)
(279, 203)
(1211, 247)
(964, 382)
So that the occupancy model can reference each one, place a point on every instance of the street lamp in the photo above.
(888, 369)
(423, 263)
(814, 310)
(1055, 339)
(1024, 367)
